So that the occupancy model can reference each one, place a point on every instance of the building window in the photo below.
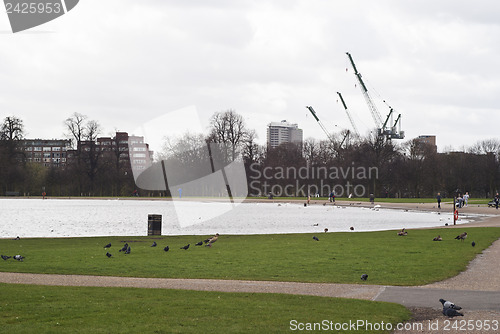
(37, 148)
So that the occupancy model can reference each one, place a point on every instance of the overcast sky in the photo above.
(125, 63)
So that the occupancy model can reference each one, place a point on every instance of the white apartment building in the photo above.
(283, 132)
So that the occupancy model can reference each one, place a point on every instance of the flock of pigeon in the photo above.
(15, 257)
(126, 248)
(449, 308)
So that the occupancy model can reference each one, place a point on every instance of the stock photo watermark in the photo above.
(427, 326)
(309, 181)
(26, 14)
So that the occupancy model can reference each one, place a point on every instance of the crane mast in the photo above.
(373, 109)
(356, 132)
(320, 124)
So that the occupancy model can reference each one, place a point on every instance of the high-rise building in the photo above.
(283, 132)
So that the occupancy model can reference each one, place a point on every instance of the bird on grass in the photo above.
(473, 244)
(18, 257)
(364, 277)
(154, 244)
(124, 248)
(166, 249)
(438, 238)
(461, 236)
(212, 240)
(5, 257)
(448, 304)
(208, 239)
(199, 243)
(315, 238)
(128, 250)
(108, 245)
(185, 247)
(108, 254)
(402, 232)
(326, 230)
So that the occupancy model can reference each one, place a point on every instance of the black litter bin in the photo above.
(154, 224)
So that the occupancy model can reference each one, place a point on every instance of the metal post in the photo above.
(454, 209)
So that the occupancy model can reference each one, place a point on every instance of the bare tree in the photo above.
(12, 129)
(11, 156)
(228, 128)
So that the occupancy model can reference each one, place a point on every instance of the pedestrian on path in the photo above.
(497, 200)
(466, 198)
(439, 200)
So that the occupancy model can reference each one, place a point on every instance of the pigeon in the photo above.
(461, 236)
(473, 244)
(166, 249)
(438, 238)
(5, 257)
(199, 243)
(128, 250)
(448, 304)
(18, 257)
(108, 245)
(124, 248)
(351, 228)
(315, 238)
(326, 230)
(364, 277)
(451, 312)
(185, 247)
(154, 244)
(108, 254)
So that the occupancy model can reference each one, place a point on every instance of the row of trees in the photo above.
(366, 165)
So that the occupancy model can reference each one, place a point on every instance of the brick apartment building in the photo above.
(132, 152)
(46, 152)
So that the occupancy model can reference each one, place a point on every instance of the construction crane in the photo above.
(356, 132)
(389, 133)
(347, 134)
(320, 124)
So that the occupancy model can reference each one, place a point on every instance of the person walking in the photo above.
(466, 198)
(497, 200)
(439, 200)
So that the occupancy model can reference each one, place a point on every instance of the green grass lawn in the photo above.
(337, 257)
(46, 309)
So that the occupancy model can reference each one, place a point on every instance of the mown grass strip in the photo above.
(45, 309)
(388, 259)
